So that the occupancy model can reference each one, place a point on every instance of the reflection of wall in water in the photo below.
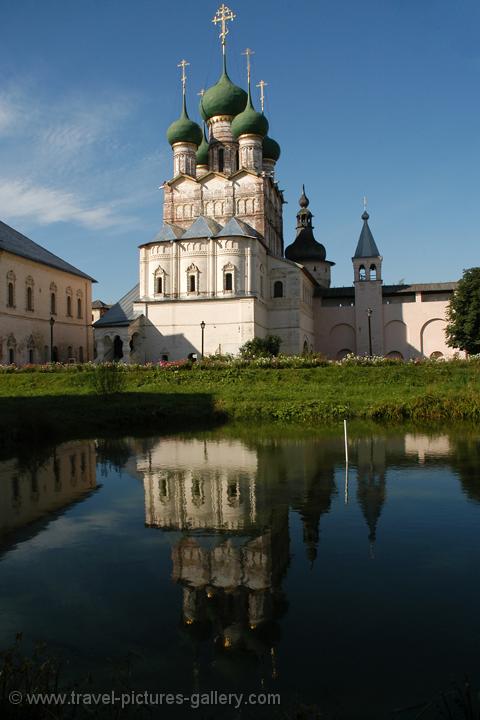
(200, 484)
(30, 490)
(424, 446)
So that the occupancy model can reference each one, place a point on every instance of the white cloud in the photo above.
(59, 158)
(20, 199)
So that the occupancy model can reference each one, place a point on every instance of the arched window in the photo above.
(237, 160)
(373, 272)
(228, 282)
(30, 356)
(29, 298)
(80, 354)
(278, 289)
(221, 159)
(191, 283)
(159, 285)
(11, 355)
(362, 273)
(69, 306)
(53, 304)
(11, 295)
(79, 308)
(69, 352)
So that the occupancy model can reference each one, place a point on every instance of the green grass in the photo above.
(62, 403)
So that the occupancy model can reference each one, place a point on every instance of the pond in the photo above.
(251, 562)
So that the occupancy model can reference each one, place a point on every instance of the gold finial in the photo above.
(248, 53)
(262, 85)
(183, 64)
(223, 15)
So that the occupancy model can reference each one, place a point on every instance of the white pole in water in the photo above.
(346, 441)
(346, 461)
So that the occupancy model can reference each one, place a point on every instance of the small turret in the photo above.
(305, 250)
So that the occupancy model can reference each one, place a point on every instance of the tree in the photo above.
(463, 313)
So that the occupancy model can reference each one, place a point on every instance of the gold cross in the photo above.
(365, 203)
(223, 15)
(248, 53)
(262, 85)
(183, 64)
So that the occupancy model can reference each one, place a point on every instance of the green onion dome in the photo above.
(202, 152)
(184, 129)
(250, 122)
(224, 98)
(271, 149)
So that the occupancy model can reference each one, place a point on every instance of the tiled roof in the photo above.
(121, 313)
(202, 227)
(238, 228)
(14, 242)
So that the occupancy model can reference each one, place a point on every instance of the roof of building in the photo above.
(403, 289)
(203, 226)
(168, 232)
(223, 98)
(202, 152)
(99, 304)
(238, 228)
(305, 247)
(184, 129)
(271, 148)
(14, 242)
(249, 121)
(366, 246)
(121, 313)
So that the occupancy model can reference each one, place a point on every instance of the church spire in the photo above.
(366, 246)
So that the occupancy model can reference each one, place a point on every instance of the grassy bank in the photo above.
(65, 402)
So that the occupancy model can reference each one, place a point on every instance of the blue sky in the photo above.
(379, 97)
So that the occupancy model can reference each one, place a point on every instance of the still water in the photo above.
(252, 563)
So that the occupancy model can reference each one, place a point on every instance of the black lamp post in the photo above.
(369, 315)
(52, 323)
(202, 325)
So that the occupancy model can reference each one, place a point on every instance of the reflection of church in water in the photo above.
(231, 503)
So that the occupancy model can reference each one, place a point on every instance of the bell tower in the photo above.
(367, 269)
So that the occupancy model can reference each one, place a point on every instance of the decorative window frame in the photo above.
(79, 305)
(11, 279)
(227, 269)
(69, 294)
(193, 270)
(159, 273)
(29, 285)
(53, 291)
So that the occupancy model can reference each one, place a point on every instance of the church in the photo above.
(217, 274)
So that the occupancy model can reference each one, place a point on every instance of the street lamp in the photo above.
(52, 323)
(369, 315)
(202, 325)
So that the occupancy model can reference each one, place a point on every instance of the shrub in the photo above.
(261, 347)
(108, 378)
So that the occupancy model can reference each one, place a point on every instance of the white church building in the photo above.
(217, 275)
